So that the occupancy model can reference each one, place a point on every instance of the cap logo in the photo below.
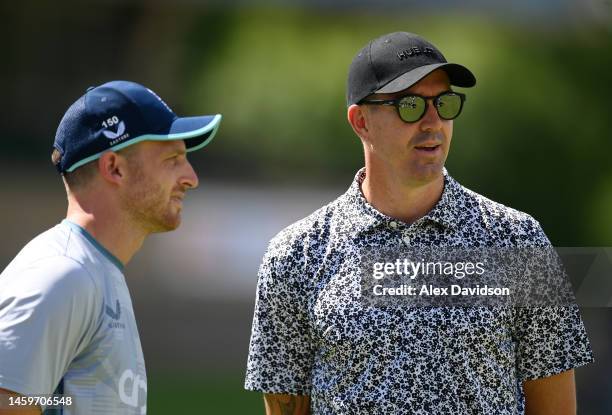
(114, 136)
(108, 123)
(415, 51)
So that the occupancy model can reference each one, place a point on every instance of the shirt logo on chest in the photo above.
(115, 315)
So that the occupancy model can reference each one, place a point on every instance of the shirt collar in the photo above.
(105, 252)
(361, 216)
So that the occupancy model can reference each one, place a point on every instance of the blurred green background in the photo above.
(535, 135)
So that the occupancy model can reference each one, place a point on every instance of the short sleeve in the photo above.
(281, 350)
(47, 313)
(551, 340)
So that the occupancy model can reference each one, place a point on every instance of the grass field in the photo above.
(206, 393)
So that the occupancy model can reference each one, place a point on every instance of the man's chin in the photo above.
(422, 175)
(166, 225)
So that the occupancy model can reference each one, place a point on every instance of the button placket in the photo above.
(406, 238)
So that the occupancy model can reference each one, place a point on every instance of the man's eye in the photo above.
(410, 103)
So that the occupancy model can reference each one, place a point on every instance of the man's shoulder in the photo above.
(496, 211)
(503, 221)
(309, 232)
(50, 245)
(48, 262)
(51, 273)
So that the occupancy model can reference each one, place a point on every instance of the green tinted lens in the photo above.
(449, 106)
(411, 108)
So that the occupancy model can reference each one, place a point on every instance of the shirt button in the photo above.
(406, 239)
(393, 224)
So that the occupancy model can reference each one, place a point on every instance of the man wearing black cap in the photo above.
(316, 348)
(67, 326)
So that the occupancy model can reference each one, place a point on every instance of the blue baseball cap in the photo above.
(118, 114)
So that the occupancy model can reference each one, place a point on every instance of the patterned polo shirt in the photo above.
(312, 335)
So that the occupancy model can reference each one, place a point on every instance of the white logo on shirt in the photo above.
(129, 388)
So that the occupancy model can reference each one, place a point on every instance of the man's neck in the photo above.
(402, 201)
(120, 237)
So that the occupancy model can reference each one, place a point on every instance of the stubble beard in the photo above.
(421, 171)
(148, 206)
(421, 174)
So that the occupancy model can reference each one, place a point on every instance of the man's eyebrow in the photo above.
(175, 152)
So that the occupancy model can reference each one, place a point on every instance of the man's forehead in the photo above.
(434, 83)
(170, 146)
(174, 145)
(439, 76)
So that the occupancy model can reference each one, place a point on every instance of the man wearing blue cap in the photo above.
(318, 348)
(67, 326)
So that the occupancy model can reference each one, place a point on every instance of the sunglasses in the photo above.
(412, 108)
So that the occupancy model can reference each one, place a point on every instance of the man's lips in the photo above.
(178, 198)
(428, 147)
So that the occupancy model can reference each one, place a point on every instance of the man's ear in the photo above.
(358, 121)
(112, 167)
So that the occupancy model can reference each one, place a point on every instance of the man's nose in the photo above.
(431, 121)
(190, 178)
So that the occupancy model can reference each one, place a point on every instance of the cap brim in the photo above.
(195, 131)
(458, 75)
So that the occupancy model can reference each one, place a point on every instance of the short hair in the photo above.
(83, 175)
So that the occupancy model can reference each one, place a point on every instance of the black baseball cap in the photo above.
(396, 61)
(118, 114)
